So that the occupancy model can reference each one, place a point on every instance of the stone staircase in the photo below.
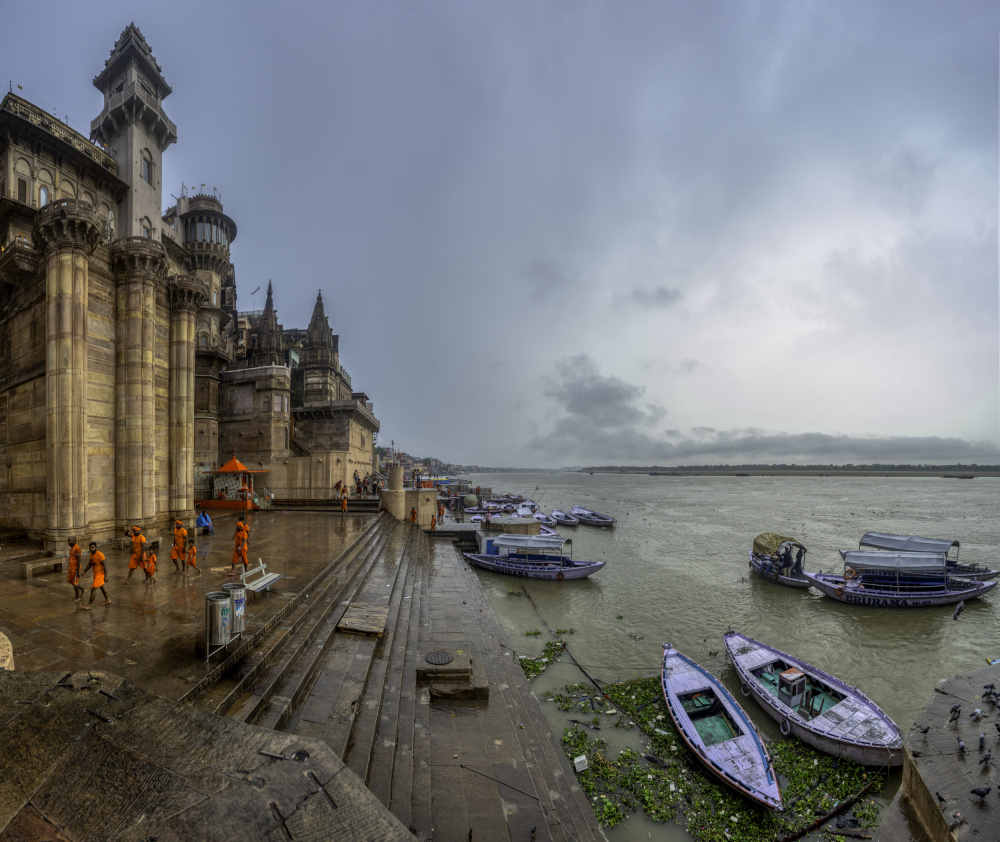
(444, 767)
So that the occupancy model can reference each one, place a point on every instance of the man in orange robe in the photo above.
(149, 566)
(73, 566)
(413, 515)
(100, 570)
(138, 539)
(179, 548)
(434, 524)
(239, 548)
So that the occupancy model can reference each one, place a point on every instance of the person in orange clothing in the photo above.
(434, 524)
(239, 548)
(73, 565)
(192, 553)
(100, 570)
(138, 539)
(440, 512)
(178, 550)
(149, 566)
(413, 515)
(343, 500)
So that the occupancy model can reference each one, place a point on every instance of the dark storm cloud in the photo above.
(600, 420)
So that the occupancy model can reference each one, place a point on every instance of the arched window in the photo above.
(146, 167)
(201, 231)
(266, 405)
(43, 196)
(145, 228)
(203, 340)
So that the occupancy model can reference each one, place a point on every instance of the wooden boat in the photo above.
(564, 519)
(771, 559)
(896, 580)
(717, 730)
(818, 708)
(914, 543)
(591, 518)
(532, 557)
(545, 520)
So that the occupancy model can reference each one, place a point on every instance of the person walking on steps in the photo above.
(73, 565)
(100, 571)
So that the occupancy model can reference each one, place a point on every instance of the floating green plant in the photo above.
(533, 633)
(663, 784)
(536, 666)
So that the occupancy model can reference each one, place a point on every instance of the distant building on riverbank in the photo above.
(126, 370)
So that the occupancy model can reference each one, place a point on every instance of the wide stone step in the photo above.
(237, 676)
(269, 699)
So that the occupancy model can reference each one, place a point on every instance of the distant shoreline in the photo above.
(944, 473)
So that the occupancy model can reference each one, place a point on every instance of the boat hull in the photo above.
(848, 591)
(535, 570)
(564, 519)
(876, 739)
(767, 568)
(740, 762)
(592, 518)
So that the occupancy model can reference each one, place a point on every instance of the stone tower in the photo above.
(268, 350)
(320, 360)
(135, 130)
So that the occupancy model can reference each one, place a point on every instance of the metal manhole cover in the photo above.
(438, 658)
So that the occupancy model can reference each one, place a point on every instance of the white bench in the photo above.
(264, 582)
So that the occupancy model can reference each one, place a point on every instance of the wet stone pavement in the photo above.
(153, 636)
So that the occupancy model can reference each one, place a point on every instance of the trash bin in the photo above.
(218, 616)
(238, 592)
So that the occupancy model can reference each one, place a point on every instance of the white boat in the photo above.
(591, 518)
(564, 519)
(545, 520)
(915, 543)
(818, 708)
(532, 557)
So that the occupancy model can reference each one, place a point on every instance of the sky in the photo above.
(554, 233)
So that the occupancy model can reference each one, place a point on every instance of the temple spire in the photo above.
(268, 351)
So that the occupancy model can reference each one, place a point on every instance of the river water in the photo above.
(677, 572)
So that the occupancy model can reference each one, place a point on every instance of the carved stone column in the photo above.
(139, 264)
(187, 294)
(67, 231)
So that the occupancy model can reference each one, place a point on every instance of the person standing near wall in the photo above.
(73, 566)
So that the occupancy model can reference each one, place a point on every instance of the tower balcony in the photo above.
(133, 105)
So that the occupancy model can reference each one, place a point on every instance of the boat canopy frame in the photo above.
(909, 543)
(531, 543)
(895, 562)
(768, 543)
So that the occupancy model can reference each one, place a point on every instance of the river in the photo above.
(677, 572)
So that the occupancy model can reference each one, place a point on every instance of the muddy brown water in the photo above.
(677, 572)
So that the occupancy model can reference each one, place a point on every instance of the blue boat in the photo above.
(532, 557)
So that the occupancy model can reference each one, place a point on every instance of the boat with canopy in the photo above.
(816, 707)
(889, 579)
(716, 730)
(915, 543)
(533, 557)
(772, 558)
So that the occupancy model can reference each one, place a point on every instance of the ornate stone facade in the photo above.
(123, 377)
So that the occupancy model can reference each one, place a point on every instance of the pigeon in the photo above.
(976, 714)
(982, 741)
(958, 610)
(989, 686)
(956, 707)
(985, 759)
(982, 792)
(939, 798)
(954, 715)
(925, 730)
(961, 745)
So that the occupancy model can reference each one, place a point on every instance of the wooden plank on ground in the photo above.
(364, 618)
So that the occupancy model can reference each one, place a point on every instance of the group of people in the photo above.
(183, 553)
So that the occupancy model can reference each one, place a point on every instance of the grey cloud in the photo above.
(900, 178)
(658, 297)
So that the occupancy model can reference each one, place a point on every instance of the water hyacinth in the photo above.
(812, 784)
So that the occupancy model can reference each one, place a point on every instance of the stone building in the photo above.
(122, 380)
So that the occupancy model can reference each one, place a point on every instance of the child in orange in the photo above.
(74, 569)
(100, 569)
(192, 552)
(150, 568)
(413, 515)
(434, 524)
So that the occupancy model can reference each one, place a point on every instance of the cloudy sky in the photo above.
(556, 233)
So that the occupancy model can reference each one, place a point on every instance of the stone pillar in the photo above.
(395, 478)
(187, 294)
(139, 264)
(68, 232)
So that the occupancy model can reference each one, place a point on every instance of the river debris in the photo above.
(534, 666)
(663, 783)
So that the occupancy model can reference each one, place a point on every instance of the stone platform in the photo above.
(476, 756)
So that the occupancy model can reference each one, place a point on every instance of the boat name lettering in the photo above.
(885, 603)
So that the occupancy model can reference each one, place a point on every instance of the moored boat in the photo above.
(545, 520)
(915, 543)
(887, 579)
(533, 557)
(564, 519)
(816, 707)
(717, 730)
(591, 518)
(771, 558)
